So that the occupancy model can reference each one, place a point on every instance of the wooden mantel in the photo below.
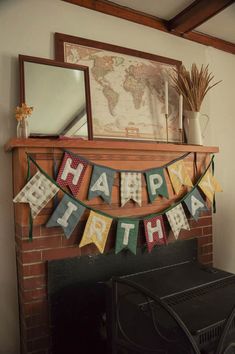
(106, 144)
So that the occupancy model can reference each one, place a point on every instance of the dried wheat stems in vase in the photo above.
(193, 85)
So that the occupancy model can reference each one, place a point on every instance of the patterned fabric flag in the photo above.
(195, 203)
(154, 232)
(209, 185)
(156, 183)
(66, 215)
(96, 231)
(127, 234)
(71, 172)
(101, 183)
(179, 175)
(37, 192)
(131, 187)
(177, 220)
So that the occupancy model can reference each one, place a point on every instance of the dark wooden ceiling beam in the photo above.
(197, 13)
(109, 8)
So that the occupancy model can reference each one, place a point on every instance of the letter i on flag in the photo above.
(154, 232)
(127, 234)
(71, 172)
(66, 215)
(96, 231)
(37, 192)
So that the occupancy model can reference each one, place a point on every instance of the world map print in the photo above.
(127, 94)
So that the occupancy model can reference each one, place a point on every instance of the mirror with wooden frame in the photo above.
(60, 95)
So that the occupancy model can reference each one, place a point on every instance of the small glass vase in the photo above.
(22, 130)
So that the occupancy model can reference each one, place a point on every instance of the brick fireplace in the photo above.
(50, 243)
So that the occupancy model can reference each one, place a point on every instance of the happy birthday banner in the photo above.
(41, 188)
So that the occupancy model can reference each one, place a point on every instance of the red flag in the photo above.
(71, 172)
(154, 232)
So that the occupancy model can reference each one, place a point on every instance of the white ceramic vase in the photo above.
(192, 126)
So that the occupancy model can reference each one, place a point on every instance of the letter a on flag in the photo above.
(195, 203)
(179, 175)
(37, 192)
(71, 172)
(96, 231)
(101, 183)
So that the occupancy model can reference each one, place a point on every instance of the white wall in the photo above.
(27, 27)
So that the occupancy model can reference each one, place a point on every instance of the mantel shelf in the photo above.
(105, 144)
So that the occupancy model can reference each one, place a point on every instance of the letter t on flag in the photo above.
(71, 172)
(127, 234)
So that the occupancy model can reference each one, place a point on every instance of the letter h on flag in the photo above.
(71, 172)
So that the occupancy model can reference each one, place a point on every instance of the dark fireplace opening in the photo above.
(77, 289)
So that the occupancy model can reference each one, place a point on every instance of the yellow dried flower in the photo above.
(23, 112)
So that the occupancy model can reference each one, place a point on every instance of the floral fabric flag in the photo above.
(96, 231)
(37, 192)
(179, 175)
(177, 220)
(154, 232)
(156, 183)
(101, 183)
(127, 234)
(131, 187)
(66, 215)
(209, 185)
(195, 203)
(71, 172)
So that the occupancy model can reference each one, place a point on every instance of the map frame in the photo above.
(62, 40)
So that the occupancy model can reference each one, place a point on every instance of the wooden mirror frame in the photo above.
(36, 60)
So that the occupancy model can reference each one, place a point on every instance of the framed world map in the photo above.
(127, 89)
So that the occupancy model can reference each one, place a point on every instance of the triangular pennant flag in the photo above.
(67, 215)
(179, 175)
(177, 220)
(131, 187)
(127, 234)
(154, 231)
(195, 203)
(96, 231)
(209, 185)
(101, 183)
(156, 183)
(37, 192)
(71, 172)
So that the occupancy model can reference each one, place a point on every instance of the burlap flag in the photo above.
(209, 185)
(179, 175)
(71, 172)
(156, 183)
(154, 232)
(131, 187)
(195, 203)
(101, 183)
(96, 231)
(37, 192)
(177, 220)
(66, 215)
(127, 234)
